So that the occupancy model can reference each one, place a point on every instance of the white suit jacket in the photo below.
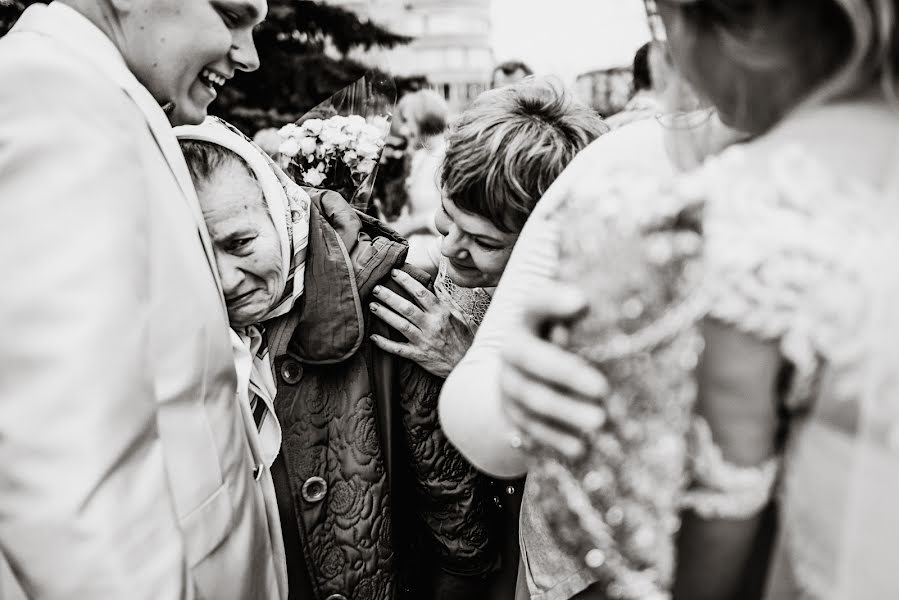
(127, 461)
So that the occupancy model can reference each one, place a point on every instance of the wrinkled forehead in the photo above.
(231, 187)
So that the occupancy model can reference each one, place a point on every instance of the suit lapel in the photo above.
(165, 139)
(68, 27)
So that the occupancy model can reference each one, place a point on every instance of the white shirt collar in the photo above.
(68, 26)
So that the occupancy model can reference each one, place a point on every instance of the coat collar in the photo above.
(349, 253)
(81, 37)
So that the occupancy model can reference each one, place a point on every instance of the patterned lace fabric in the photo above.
(469, 304)
(792, 255)
(802, 258)
(721, 490)
(635, 251)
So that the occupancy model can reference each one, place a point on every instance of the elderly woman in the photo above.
(347, 446)
(502, 155)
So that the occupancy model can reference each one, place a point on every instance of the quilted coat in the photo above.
(375, 503)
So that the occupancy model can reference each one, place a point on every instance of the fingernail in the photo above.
(395, 273)
(378, 289)
(576, 450)
(373, 307)
(596, 385)
(599, 421)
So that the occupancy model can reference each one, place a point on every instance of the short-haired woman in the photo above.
(503, 153)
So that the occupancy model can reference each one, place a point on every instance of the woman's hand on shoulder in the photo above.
(435, 338)
(552, 396)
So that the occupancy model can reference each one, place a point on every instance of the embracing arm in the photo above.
(470, 403)
(737, 398)
(85, 510)
(512, 377)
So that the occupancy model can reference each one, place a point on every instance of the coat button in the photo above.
(314, 490)
(336, 597)
(291, 372)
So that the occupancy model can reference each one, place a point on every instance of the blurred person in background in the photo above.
(650, 80)
(390, 185)
(509, 72)
(270, 140)
(424, 115)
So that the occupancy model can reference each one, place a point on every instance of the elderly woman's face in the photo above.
(476, 250)
(246, 244)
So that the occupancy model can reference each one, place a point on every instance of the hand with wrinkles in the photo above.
(435, 338)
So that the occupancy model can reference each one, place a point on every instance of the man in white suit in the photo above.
(128, 466)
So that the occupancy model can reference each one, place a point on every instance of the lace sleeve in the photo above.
(781, 243)
(722, 490)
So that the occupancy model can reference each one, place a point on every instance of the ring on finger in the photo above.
(518, 440)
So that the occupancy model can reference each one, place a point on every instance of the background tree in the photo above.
(10, 11)
(304, 49)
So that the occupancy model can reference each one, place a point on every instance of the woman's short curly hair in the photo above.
(505, 151)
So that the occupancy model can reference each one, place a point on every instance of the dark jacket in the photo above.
(365, 472)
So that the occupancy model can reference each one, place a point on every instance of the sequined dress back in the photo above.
(792, 253)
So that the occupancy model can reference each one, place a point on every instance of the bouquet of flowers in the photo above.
(317, 146)
(638, 261)
(338, 144)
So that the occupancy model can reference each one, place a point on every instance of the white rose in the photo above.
(313, 178)
(313, 126)
(335, 139)
(289, 147)
(349, 156)
(368, 149)
(289, 130)
(355, 124)
(366, 166)
(337, 121)
(307, 145)
(330, 135)
(380, 124)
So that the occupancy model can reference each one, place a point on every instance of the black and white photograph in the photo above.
(449, 300)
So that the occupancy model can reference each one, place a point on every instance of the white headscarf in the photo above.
(289, 209)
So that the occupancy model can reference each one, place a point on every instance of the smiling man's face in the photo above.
(184, 50)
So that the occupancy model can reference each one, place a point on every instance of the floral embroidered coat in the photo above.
(375, 503)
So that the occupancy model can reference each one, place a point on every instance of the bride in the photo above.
(799, 372)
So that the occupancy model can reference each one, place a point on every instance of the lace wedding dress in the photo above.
(791, 254)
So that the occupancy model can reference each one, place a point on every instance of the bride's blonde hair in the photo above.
(757, 60)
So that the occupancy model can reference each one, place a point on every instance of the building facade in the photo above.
(451, 43)
(607, 91)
